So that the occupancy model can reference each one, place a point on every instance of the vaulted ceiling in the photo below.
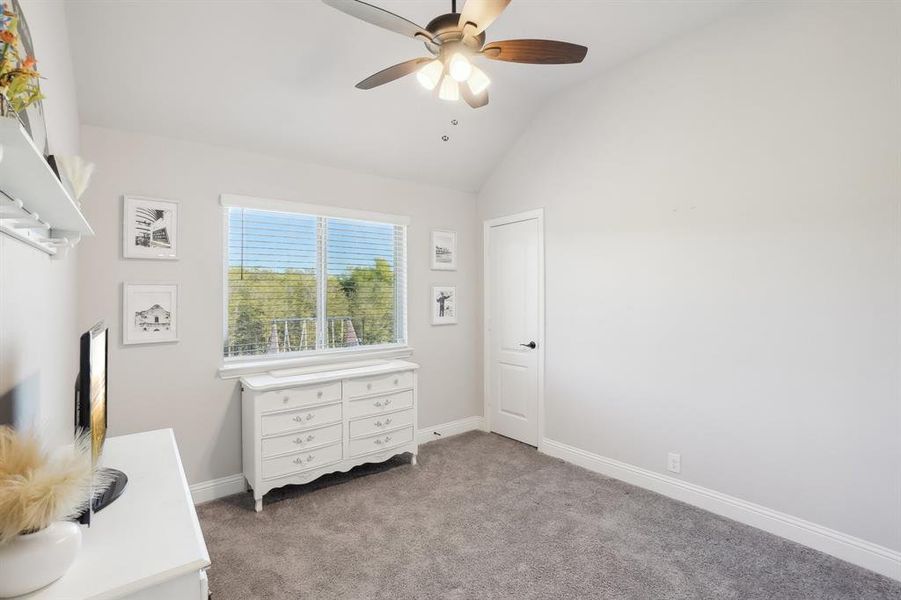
(277, 77)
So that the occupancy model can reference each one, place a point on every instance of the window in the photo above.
(301, 283)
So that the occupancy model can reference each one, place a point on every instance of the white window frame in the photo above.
(237, 366)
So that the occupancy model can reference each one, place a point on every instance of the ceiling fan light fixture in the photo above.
(478, 82)
(429, 75)
(449, 90)
(459, 67)
(454, 40)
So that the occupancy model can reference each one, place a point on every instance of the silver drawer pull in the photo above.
(388, 421)
(387, 401)
(300, 461)
(368, 386)
(310, 458)
(380, 441)
(396, 381)
(285, 399)
(319, 394)
(377, 403)
(380, 424)
(387, 438)
(298, 418)
(310, 437)
(299, 441)
(310, 416)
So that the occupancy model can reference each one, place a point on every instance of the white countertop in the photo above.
(149, 535)
(274, 380)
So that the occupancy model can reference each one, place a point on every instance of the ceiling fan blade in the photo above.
(474, 100)
(391, 73)
(381, 18)
(538, 52)
(477, 15)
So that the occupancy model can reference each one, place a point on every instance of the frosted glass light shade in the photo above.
(459, 67)
(450, 89)
(478, 81)
(429, 75)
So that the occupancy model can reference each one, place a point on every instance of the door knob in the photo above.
(531, 345)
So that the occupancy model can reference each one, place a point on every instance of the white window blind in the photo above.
(306, 283)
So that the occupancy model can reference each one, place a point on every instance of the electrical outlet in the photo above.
(674, 462)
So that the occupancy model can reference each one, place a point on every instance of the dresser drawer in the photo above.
(294, 397)
(379, 384)
(296, 463)
(379, 423)
(294, 442)
(375, 406)
(305, 418)
(381, 441)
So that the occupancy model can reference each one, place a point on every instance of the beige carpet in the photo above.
(485, 517)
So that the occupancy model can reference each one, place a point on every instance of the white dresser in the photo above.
(299, 425)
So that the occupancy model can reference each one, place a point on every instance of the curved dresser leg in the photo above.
(258, 505)
(413, 460)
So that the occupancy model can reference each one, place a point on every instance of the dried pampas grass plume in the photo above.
(77, 172)
(38, 487)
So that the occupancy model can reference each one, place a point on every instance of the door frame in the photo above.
(537, 214)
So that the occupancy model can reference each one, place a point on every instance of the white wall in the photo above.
(176, 385)
(723, 260)
(38, 336)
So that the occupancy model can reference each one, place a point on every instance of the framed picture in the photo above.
(444, 250)
(149, 313)
(150, 228)
(444, 304)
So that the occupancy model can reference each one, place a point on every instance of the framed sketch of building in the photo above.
(444, 250)
(150, 228)
(444, 304)
(149, 313)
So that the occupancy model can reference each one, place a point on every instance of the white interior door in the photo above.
(513, 303)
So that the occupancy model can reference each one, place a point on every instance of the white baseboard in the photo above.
(854, 550)
(436, 432)
(206, 491)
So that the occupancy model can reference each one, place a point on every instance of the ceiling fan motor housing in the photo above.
(446, 29)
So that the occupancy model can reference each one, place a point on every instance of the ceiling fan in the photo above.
(454, 40)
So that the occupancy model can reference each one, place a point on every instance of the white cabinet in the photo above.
(299, 427)
(147, 545)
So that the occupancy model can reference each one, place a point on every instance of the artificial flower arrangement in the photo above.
(19, 78)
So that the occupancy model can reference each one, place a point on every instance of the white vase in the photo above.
(37, 559)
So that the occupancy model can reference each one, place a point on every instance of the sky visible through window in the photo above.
(283, 241)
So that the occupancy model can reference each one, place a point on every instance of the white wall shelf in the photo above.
(35, 207)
